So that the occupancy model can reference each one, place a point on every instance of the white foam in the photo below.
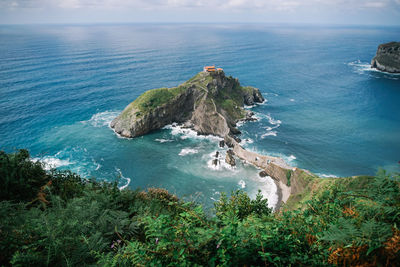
(246, 141)
(292, 100)
(292, 157)
(161, 140)
(268, 189)
(102, 119)
(187, 151)
(269, 128)
(272, 120)
(365, 67)
(242, 184)
(185, 133)
(221, 163)
(249, 107)
(50, 162)
(128, 180)
(270, 133)
(327, 175)
(256, 104)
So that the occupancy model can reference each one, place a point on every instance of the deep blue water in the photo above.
(327, 111)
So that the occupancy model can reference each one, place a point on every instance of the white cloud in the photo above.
(224, 4)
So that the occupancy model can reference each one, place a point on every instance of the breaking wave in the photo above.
(187, 151)
(185, 133)
(102, 119)
(127, 180)
(365, 67)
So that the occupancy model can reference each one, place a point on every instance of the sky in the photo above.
(343, 12)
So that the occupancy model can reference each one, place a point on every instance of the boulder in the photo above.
(230, 158)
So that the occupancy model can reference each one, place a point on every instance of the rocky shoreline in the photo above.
(387, 58)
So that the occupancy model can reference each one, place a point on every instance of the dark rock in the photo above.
(387, 58)
(217, 154)
(215, 162)
(235, 130)
(253, 96)
(249, 116)
(237, 139)
(230, 158)
(263, 174)
(228, 141)
(222, 143)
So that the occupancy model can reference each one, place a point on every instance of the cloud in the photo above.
(220, 4)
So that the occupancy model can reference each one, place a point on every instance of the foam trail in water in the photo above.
(51, 162)
(242, 184)
(187, 151)
(102, 119)
(365, 67)
(327, 175)
(161, 140)
(128, 180)
(185, 133)
(270, 133)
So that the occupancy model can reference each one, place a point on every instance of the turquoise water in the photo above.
(60, 86)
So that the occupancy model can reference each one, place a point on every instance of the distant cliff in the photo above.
(387, 58)
(210, 103)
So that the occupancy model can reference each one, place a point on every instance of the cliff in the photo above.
(387, 58)
(210, 103)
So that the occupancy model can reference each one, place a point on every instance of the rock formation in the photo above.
(230, 159)
(387, 58)
(210, 103)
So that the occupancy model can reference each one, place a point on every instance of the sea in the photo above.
(326, 110)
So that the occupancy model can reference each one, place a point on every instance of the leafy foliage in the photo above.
(59, 219)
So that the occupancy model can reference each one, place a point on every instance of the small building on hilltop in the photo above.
(211, 69)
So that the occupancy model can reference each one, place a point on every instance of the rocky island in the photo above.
(387, 58)
(211, 103)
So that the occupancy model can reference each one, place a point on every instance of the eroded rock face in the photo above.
(210, 103)
(230, 159)
(387, 58)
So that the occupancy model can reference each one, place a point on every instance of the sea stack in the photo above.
(209, 103)
(387, 58)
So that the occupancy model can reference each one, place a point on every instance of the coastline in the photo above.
(283, 193)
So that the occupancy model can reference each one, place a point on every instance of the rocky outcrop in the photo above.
(229, 158)
(210, 103)
(387, 58)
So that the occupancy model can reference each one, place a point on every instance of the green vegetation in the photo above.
(59, 219)
(288, 175)
(152, 99)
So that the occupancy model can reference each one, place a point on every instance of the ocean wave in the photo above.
(127, 179)
(256, 104)
(242, 184)
(291, 100)
(246, 141)
(221, 164)
(102, 119)
(270, 128)
(271, 120)
(291, 158)
(327, 175)
(270, 133)
(161, 140)
(268, 190)
(77, 159)
(187, 151)
(51, 162)
(185, 133)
